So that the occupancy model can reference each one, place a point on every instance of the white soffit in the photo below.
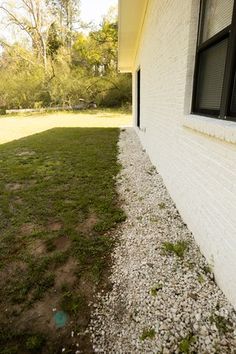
(131, 18)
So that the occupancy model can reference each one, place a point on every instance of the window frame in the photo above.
(138, 97)
(230, 66)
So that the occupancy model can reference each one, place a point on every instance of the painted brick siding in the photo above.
(198, 170)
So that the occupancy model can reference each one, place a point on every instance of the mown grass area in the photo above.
(58, 204)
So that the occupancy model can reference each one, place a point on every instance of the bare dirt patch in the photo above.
(25, 153)
(10, 270)
(14, 186)
(62, 243)
(65, 275)
(88, 225)
(40, 315)
(55, 225)
(29, 228)
(37, 248)
(18, 201)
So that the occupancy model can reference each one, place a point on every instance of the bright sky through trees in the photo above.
(94, 10)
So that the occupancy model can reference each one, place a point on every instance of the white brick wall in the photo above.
(198, 170)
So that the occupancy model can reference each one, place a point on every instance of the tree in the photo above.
(54, 41)
(68, 15)
(35, 20)
(59, 65)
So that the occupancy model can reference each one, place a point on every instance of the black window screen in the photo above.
(217, 15)
(211, 76)
(214, 92)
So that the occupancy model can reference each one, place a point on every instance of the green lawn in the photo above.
(58, 202)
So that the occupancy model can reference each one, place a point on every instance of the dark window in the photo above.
(233, 99)
(138, 97)
(214, 92)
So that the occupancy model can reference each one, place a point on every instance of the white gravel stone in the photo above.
(189, 304)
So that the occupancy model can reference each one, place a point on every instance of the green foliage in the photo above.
(34, 343)
(162, 205)
(77, 66)
(72, 303)
(54, 41)
(155, 289)
(223, 324)
(185, 344)
(177, 248)
(148, 334)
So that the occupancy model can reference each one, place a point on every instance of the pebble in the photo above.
(130, 309)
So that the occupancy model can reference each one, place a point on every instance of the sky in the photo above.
(94, 10)
(91, 11)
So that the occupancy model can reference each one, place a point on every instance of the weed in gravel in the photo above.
(223, 324)
(185, 343)
(151, 170)
(154, 219)
(154, 290)
(177, 248)
(201, 279)
(148, 334)
(162, 205)
(207, 269)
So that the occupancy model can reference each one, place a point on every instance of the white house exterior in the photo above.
(194, 153)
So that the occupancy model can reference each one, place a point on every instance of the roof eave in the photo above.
(130, 29)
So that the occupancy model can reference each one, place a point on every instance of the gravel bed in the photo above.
(164, 298)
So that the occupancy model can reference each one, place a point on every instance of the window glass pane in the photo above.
(233, 100)
(217, 16)
(211, 76)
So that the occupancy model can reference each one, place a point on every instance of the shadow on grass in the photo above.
(58, 206)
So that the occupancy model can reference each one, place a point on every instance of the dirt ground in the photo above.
(16, 127)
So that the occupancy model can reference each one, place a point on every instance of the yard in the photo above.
(21, 125)
(58, 207)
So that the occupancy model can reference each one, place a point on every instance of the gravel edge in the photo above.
(164, 298)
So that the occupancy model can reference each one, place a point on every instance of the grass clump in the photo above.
(201, 279)
(34, 343)
(222, 324)
(185, 344)
(155, 289)
(72, 303)
(179, 248)
(148, 334)
(162, 205)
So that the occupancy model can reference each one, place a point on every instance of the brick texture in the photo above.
(198, 170)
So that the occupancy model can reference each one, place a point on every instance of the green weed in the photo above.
(185, 344)
(155, 289)
(148, 334)
(179, 248)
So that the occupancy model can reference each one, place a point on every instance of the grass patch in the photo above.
(185, 344)
(148, 334)
(179, 248)
(34, 343)
(58, 200)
